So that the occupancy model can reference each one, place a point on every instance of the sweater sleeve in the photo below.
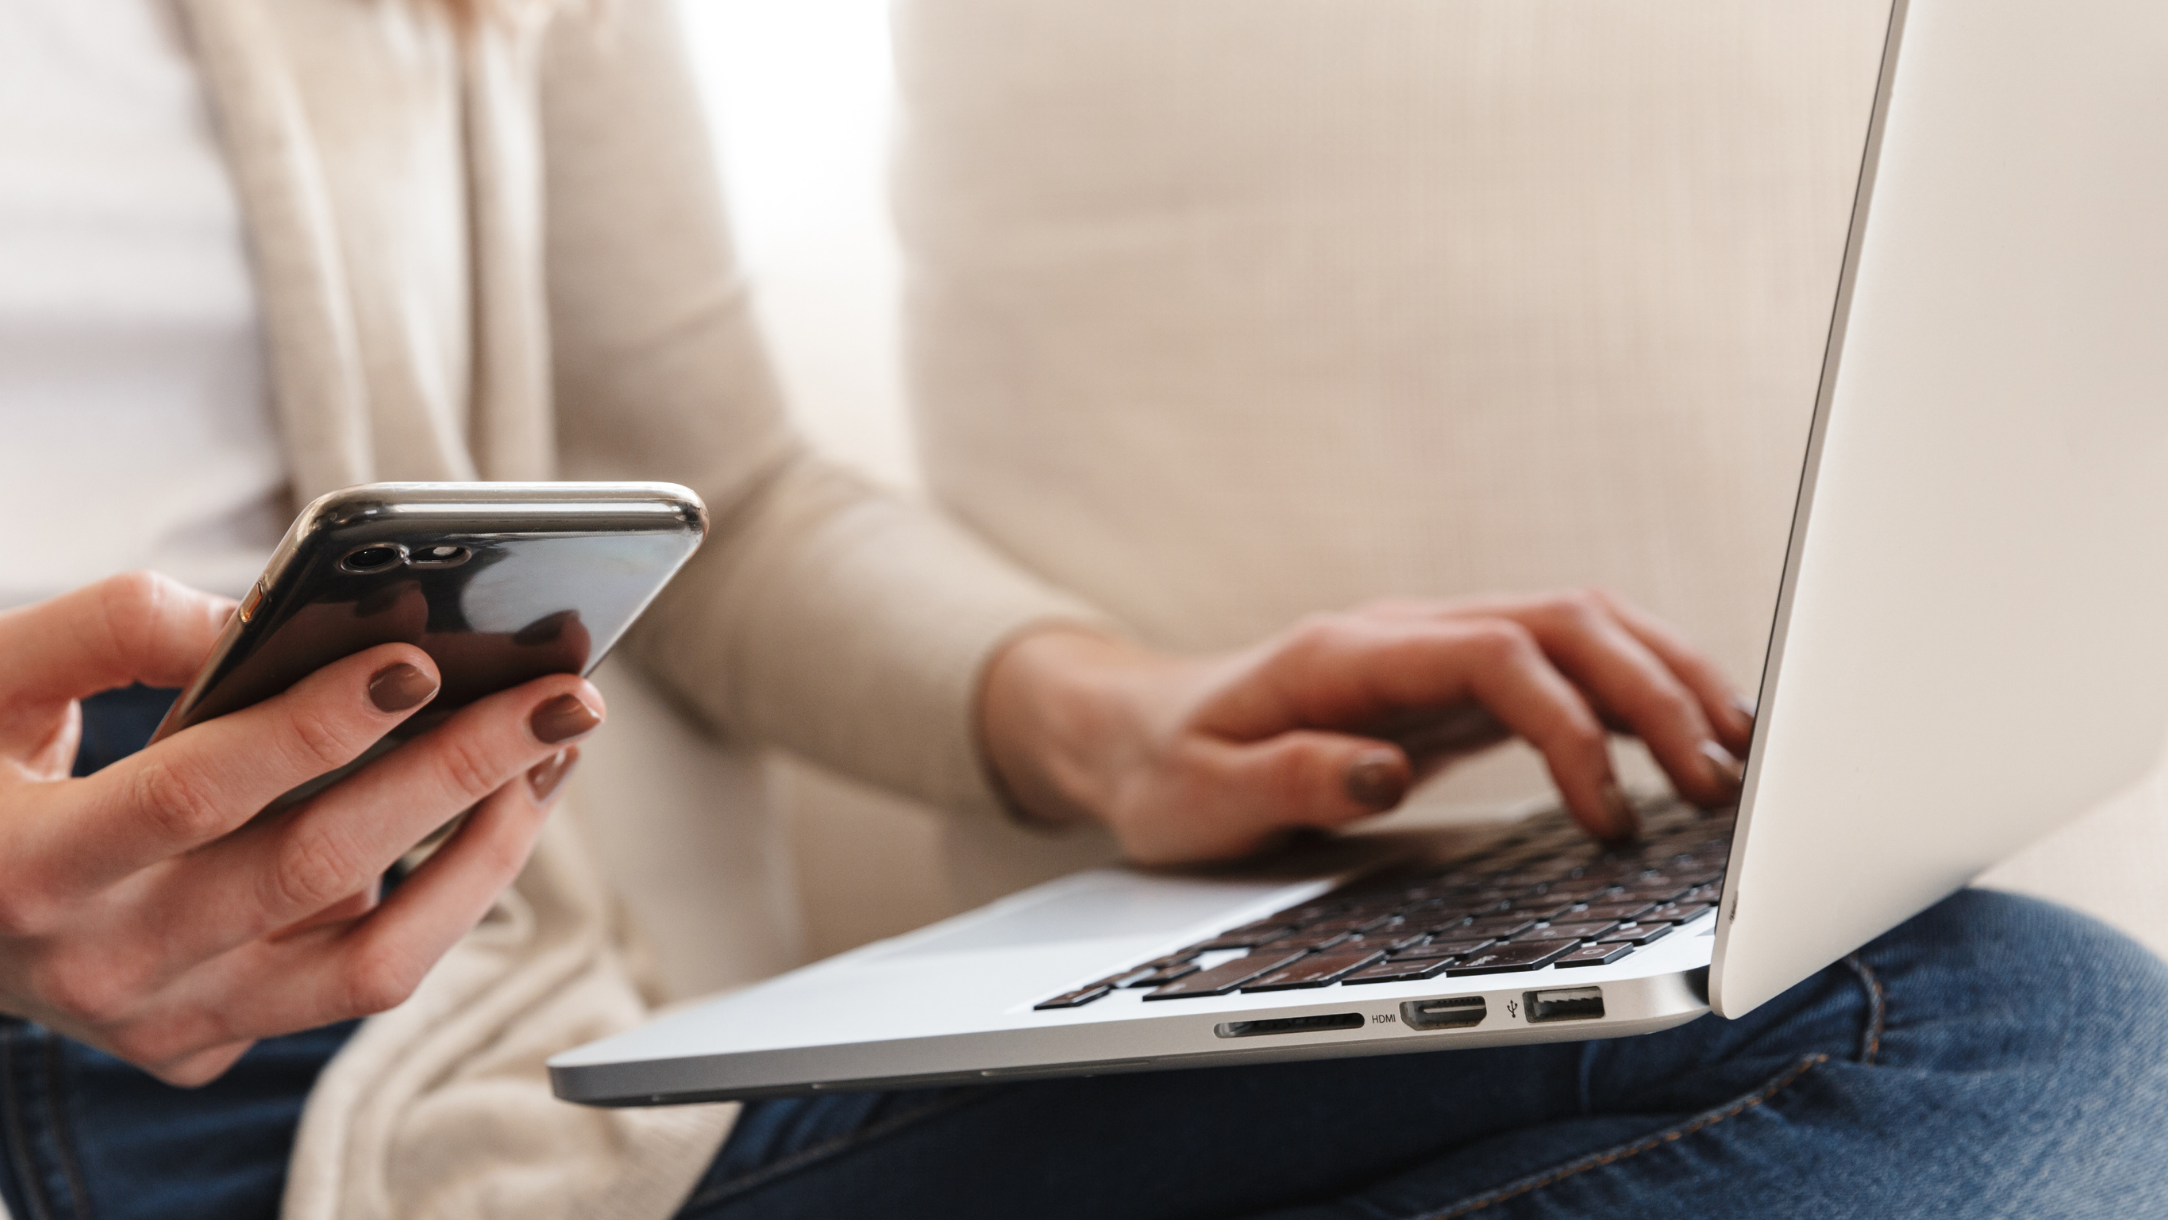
(824, 615)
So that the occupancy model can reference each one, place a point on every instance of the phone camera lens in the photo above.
(373, 558)
(437, 556)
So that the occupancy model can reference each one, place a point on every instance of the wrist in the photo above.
(1065, 713)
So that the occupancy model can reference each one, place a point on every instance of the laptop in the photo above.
(1970, 648)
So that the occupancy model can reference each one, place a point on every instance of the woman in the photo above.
(484, 244)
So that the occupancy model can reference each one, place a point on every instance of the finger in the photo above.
(346, 910)
(1351, 670)
(1631, 683)
(1312, 778)
(341, 841)
(1232, 798)
(137, 627)
(1728, 709)
(338, 972)
(209, 779)
(1436, 740)
(1517, 682)
(201, 1068)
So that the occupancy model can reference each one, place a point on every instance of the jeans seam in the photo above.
(1648, 1143)
(18, 1133)
(806, 1156)
(1877, 1008)
(63, 1146)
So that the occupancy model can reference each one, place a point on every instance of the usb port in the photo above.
(1453, 1012)
(1566, 1004)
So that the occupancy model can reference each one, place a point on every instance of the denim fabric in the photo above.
(117, 723)
(1996, 1056)
(86, 1135)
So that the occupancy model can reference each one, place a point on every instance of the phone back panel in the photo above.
(498, 582)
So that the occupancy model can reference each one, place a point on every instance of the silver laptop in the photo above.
(1970, 648)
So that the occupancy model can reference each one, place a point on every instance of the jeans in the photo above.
(1995, 1056)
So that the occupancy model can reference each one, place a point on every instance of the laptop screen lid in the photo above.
(1971, 641)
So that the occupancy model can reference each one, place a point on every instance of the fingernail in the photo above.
(562, 719)
(545, 777)
(395, 688)
(1625, 822)
(1745, 707)
(1376, 779)
(1725, 768)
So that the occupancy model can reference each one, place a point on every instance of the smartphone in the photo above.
(498, 582)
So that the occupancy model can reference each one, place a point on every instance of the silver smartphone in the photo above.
(498, 582)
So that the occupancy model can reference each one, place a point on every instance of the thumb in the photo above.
(1309, 777)
(136, 627)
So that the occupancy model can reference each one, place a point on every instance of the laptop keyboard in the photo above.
(1545, 896)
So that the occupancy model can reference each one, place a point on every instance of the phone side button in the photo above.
(253, 599)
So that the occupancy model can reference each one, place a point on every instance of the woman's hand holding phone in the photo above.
(145, 910)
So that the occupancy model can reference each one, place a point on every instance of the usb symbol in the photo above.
(1513, 1008)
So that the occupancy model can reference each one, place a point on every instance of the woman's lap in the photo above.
(1994, 1056)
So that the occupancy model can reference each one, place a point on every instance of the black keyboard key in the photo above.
(1309, 939)
(1306, 913)
(1616, 911)
(1397, 971)
(1478, 905)
(1542, 908)
(1225, 977)
(1440, 948)
(1504, 959)
(1676, 912)
(1639, 933)
(1078, 998)
(1496, 929)
(1242, 938)
(1165, 974)
(1601, 954)
(1574, 891)
(1567, 931)
(1176, 958)
(1316, 970)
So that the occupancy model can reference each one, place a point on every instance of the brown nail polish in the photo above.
(545, 777)
(1726, 769)
(562, 719)
(395, 688)
(1625, 823)
(1376, 779)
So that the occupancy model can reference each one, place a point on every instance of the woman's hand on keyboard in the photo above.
(147, 911)
(1336, 718)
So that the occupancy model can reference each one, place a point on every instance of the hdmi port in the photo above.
(1453, 1012)
(1288, 1025)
